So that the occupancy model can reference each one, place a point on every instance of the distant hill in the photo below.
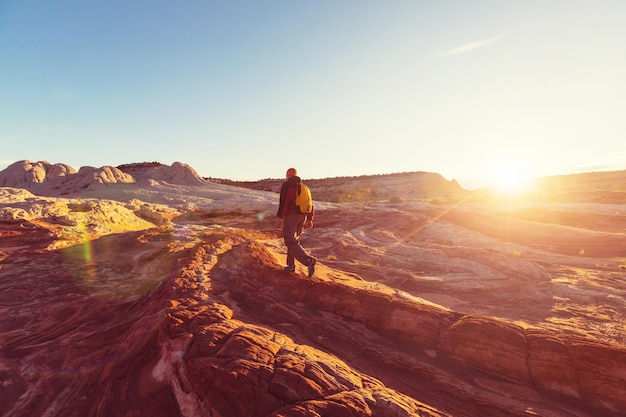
(589, 181)
(408, 186)
(590, 187)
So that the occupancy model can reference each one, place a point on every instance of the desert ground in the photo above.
(148, 290)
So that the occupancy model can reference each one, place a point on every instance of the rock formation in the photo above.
(178, 173)
(137, 299)
(23, 174)
(45, 178)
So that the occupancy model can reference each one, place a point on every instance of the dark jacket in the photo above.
(287, 203)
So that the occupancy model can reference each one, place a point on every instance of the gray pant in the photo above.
(292, 229)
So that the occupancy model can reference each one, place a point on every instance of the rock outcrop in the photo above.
(44, 178)
(179, 173)
(23, 174)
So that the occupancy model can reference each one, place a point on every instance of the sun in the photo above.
(511, 180)
(510, 177)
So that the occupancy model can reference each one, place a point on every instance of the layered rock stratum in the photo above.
(147, 292)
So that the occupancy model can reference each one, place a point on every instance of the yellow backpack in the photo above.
(304, 202)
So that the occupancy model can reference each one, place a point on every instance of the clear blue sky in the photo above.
(245, 89)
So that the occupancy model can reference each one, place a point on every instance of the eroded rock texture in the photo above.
(133, 324)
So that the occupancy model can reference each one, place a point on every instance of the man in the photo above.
(294, 223)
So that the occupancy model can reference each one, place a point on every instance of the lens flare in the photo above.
(509, 175)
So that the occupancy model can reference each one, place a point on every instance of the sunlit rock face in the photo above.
(58, 179)
(44, 178)
(177, 173)
(24, 174)
(140, 298)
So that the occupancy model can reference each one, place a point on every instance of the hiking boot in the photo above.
(311, 265)
(290, 268)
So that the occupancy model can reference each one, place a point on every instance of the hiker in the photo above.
(295, 221)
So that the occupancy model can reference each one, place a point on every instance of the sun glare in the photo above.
(510, 178)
